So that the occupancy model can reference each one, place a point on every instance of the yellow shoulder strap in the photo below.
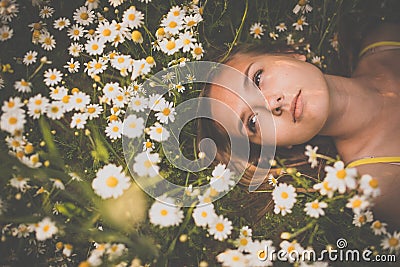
(377, 44)
(373, 160)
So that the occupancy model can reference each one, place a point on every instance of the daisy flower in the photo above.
(257, 30)
(198, 51)
(303, 7)
(203, 215)
(13, 121)
(167, 112)
(299, 23)
(55, 110)
(110, 182)
(58, 92)
(116, 3)
(115, 251)
(46, 12)
(284, 195)
(133, 126)
(315, 209)
(292, 249)
(79, 100)
(340, 178)
(114, 130)
(75, 49)
(6, 33)
(220, 228)
(158, 132)
(30, 57)
(232, 258)
(391, 242)
(92, 4)
(312, 155)
(72, 66)
(37, 106)
(83, 16)
(324, 188)
(281, 27)
(79, 120)
(170, 46)
(11, 104)
(8, 10)
(358, 203)
(172, 24)
(191, 21)
(110, 90)
(369, 185)
(146, 164)
(47, 41)
(137, 37)
(52, 77)
(362, 218)
(176, 12)
(76, 32)
(138, 103)
(260, 250)
(57, 183)
(132, 18)
(246, 231)
(120, 62)
(95, 67)
(273, 35)
(20, 183)
(221, 178)
(317, 60)
(165, 215)
(93, 111)
(22, 86)
(61, 23)
(45, 229)
(161, 34)
(148, 146)
(378, 227)
(106, 31)
(272, 180)
(95, 46)
(243, 243)
(156, 101)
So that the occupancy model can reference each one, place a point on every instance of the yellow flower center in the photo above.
(47, 41)
(24, 83)
(112, 181)
(362, 219)
(115, 129)
(290, 248)
(106, 32)
(302, 2)
(91, 110)
(149, 144)
(170, 45)
(132, 125)
(136, 36)
(284, 195)
(204, 214)
(243, 242)
(46, 228)
(186, 41)
(257, 31)
(219, 227)
(12, 120)
(300, 22)
(91, 31)
(95, 46)
(198, 50)
(76, 32)
(236, 258)
(166, 111)
(72, 66)
(53, 77)
(373, 183)
(38, 102)
(176, 13)
(79, 100)
(341, 174)
(137, 103)
(148, 164)
(393, 242)
(121, 60)
(113, 117)
(172, 24)
(78, 121)
(150, 60)
(191, 23)
(98, 66)
(54, 109)
(159, 130)
(357, 203)
(84, 15)
(65, 99)
(164, 212)
(315, 205)
(11, 104)
(160, 32)
(377, 224)
(131, 17)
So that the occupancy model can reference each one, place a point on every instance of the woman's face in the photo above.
(283, 97)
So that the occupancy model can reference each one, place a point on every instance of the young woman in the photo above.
(360, 113)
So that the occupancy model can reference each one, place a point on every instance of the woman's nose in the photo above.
(275, 103)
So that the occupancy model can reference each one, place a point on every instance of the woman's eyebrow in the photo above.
(246, 73)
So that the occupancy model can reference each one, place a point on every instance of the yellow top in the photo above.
(390, 45)
(373, 160)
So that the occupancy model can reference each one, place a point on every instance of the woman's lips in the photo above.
(296, 107)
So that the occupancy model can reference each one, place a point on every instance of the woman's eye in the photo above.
(257, 77)
(251, 124)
